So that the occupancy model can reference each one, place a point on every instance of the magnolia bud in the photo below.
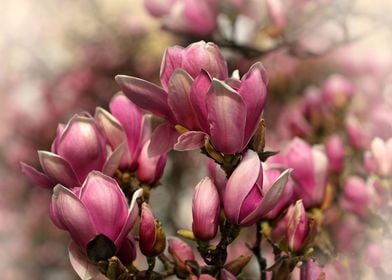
(205, 210)
(298, 227)
(152, 240)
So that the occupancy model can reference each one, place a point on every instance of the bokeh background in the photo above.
(58, 58)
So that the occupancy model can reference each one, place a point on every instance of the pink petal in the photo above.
(58, 169)
(113, 161)
(199, 90)
(146, 95)
(131, 119)
(190, 140)
(240, 183)
(36, 177)
(163, 139)
(83, 145)
(172, 59)
(150, 169)
(106, 204)
(180, 101)
(82, 266)
(254, 93)
(227, 117)
(133, 212)
(73, 215)
(113, 129)
(271, 198)
(127, 251)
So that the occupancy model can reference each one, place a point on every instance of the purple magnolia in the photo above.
(205, 210)
(100, 207)
(198, 100)
(79, 148)
(245, 202)
(128, 124)
(310, 166)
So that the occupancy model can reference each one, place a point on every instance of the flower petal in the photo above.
(172, 59)
(58, 169)
(254, 93)
(200, 87)
(133, 212)
(162, 139)
(131, 119)
(36, 177)
(146, 95)
(113, 130)
(190, 140)
(239, 184)
(227, 117)
(179, 99)
(73, 215)
(82, 266)
(271, 198)
(113, 161)
(106, 204)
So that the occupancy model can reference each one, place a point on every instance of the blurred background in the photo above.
(58, 58)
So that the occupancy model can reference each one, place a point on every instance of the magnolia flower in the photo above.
(379, 158)
(197, 17)
(205, 210)
(357, 196)
(337, 91)
(334, 149)
(99, 208)
(245, 201)
(181, 252)
(196, 103)
(79, 148)
(310, 166)
(126, 123)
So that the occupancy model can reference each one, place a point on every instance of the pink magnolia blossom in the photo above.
(379, 158)
(100, 207)
(79, 148)
(337, 91)
(357, 196)
(335, 151)
(245, 202)
(196, 17)
(205, 210)
(196, 103)
(128, 124)
(310, 166)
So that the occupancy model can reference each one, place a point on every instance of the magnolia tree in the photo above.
(288, 202)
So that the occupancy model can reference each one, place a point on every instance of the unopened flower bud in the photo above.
(205, 210)
(334, 149)
(356, 198)
(181, 253)
(150, 168)
(298, 227)
(152, 240)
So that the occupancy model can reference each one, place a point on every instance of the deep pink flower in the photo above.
(100, 207)
(181, 253)
(196, 103)
(205, 210)
(245, 202)
(337, 91)
(79, 148)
